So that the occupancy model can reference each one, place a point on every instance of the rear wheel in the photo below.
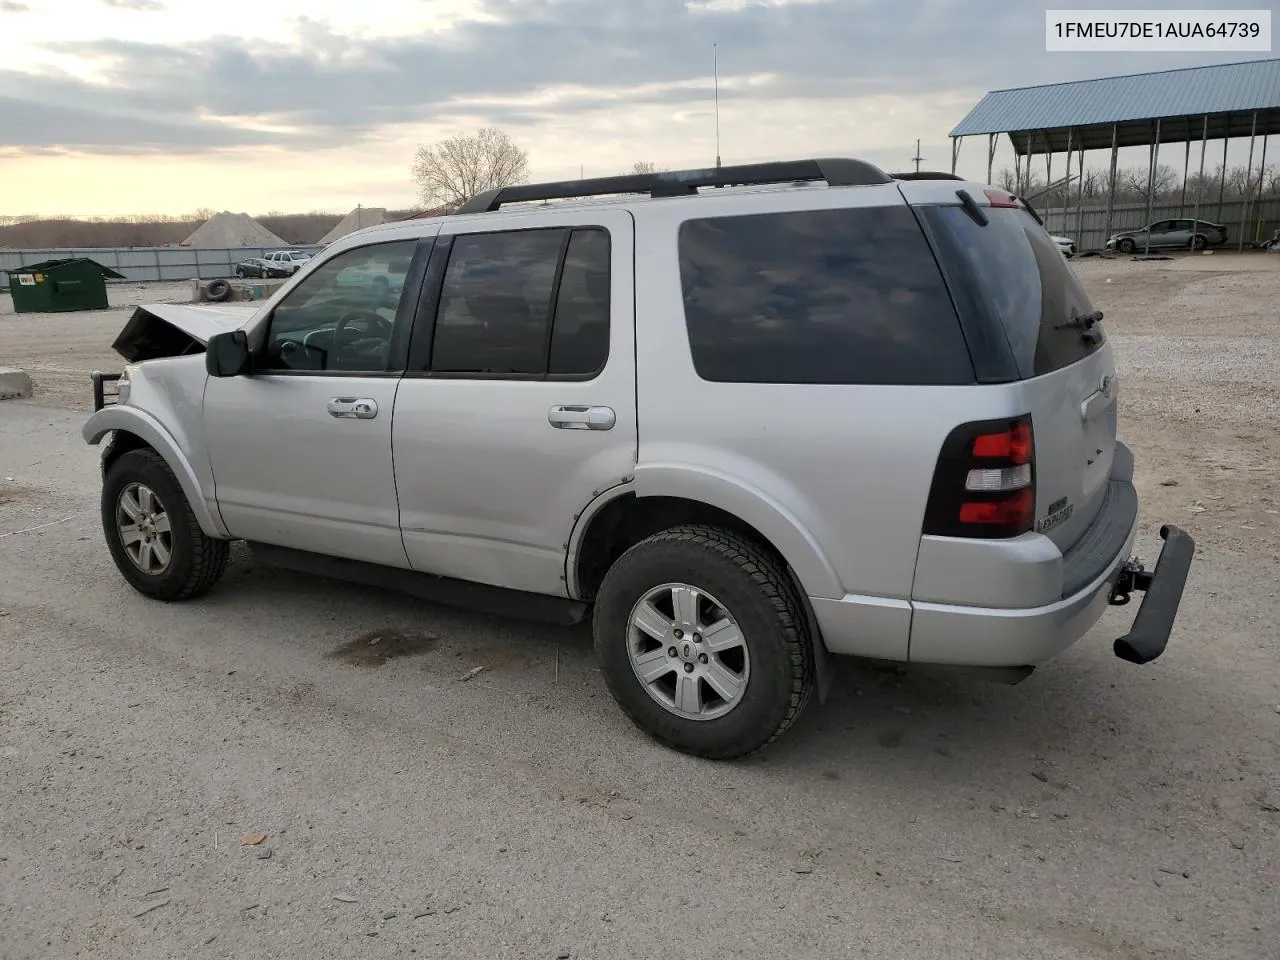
(703, 642)
(154, 538)
(1199, 242)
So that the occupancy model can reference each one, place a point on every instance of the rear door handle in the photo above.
(353, 408)
(582, 418)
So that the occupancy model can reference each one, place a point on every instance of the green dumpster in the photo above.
(54, 286)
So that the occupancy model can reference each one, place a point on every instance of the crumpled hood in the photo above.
(177, 329)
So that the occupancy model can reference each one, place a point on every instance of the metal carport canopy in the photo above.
(1041, 119)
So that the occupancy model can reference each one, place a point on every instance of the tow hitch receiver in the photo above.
(1162, 587)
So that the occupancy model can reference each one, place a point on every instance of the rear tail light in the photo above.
(984, 483)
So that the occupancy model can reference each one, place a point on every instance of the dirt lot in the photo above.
(1098, 810)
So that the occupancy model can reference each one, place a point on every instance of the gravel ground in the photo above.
(1098, 810)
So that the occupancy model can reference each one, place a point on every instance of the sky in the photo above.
(168, 106)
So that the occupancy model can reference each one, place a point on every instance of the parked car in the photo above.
(259, 267)
(1066, 245)
(742, 429)
(290, 261)
(1170, 234)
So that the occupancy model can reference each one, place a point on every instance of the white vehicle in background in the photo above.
(1066, 245)
(290, 261)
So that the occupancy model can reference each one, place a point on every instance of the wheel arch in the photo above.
(616, 520)
(132, 429)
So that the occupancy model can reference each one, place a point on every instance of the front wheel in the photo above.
(1127, 245)
(154, 538)
(703, 642)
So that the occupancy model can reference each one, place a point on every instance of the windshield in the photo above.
(1023, 283)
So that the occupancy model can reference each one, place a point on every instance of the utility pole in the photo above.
(917, 158)
(715, 66)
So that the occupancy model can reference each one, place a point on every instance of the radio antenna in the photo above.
(715, 60)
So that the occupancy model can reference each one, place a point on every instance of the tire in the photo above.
(218, 290)
(195, 561)
(1126, 245)
(776, 667)
(1199, 242)
(240, 272)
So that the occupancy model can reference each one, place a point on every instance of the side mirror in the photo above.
(227, 354)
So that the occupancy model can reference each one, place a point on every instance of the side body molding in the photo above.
(136, 421)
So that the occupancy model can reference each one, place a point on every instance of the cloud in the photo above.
(135, 4)
(13, 6)
(522, 62)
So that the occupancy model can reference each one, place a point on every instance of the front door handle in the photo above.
(353, 408)
(582, 418)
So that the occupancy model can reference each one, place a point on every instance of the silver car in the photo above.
(743, 418)
(1186, 234)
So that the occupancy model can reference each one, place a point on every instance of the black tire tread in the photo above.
(778, 589)
(209, 556)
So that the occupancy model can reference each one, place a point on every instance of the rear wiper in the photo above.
(970, 206)
(1082, 321)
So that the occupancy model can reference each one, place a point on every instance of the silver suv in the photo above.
(743, 417)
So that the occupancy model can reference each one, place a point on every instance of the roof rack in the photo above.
(926, 175)
(836, 171)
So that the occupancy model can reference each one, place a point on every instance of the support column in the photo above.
(1111, 185)
(1204, 142)
(1222, 182)
(1048, 161)
(991, 156)
(1248, 175)
(955, 152)
(1066, 196)
(1262, 175)
(1026, 170)
(1186, 171)
(1151, 185)
(1080, 201)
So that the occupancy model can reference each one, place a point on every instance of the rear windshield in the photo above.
(1020, 279)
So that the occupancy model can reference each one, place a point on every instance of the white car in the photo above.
(1066, 245)
(290, 261)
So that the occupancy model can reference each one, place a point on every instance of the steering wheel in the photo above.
(375, 325)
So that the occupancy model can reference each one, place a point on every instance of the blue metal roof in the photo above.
(1191, 92)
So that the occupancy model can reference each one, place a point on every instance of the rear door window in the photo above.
(1022, 281)
(847, 296)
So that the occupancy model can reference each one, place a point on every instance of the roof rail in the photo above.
(926, 175)
(836, 171)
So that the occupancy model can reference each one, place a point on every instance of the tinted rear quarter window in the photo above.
(580, 335)
(845, 296)
(1023, 283)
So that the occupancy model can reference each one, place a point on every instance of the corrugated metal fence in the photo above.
(142, 264)
(1263, 219)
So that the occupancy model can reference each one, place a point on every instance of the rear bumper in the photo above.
(997, 637)
(955, 635)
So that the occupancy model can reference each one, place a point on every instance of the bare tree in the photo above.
(1091, 183)
(454, 170)
(1134, 181)
(647, 166)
